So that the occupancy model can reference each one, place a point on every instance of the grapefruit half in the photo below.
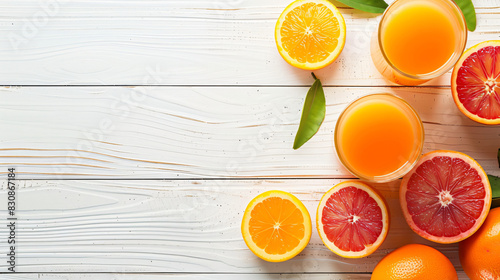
(446, 197)
(475, 82)
(352, 219)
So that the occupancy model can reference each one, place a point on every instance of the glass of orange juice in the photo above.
(379, 137)
(418, 40)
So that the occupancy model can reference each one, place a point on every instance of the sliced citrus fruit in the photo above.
(352, 219)
(310, 34)
(475, 82)
(414, 261)
(445, 197)
(276, 226)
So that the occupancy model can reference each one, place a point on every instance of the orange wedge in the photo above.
(276, 226)
(310, 34)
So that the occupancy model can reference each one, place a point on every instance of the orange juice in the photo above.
(379, 137)
(418, 40)
(417, 46)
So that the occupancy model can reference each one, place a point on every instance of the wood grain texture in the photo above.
(219, 42)
(228, 109)
(200, 132)
(139, 276)
(110, 276)
(171, 226)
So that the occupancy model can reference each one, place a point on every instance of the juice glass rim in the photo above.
(396, 174)
(451, 61)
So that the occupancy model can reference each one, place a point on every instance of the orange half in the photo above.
(310, 34)
(276, 226)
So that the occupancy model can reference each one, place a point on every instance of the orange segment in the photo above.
(310, 34)
(475, 82)
(276, 226)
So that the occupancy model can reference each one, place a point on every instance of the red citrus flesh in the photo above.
(339, 219)
(352, 219)
(446, 197)
(476, 83)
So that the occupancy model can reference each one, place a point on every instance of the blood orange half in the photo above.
(446, 196)
(352, 219)
(475, 82)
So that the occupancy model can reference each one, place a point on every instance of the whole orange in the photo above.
(480, 253)
(412, 262)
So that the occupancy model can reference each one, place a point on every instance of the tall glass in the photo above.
(418, 40)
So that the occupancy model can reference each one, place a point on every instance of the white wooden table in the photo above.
(140, 130)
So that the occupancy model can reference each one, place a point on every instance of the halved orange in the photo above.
(310, 34)
(352, 219)
(475, 82)
(446, 197)
(276, 226)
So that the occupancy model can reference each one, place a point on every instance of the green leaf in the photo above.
(495, 202)
(498, 158)
(495, 185)
(371, 6)
(495, 190)
(469, 13)
(313, 114)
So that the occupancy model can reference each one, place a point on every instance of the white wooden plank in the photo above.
(170, 226)
(47, 276)
(255, 276)
(188, 132)
(135, 42)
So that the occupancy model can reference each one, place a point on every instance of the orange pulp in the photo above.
(419, 37)
(377, 138)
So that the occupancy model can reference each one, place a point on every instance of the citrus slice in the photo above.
(352, 219)
(475, 82)
(276, 226)
(445, 197)
(310, 34)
